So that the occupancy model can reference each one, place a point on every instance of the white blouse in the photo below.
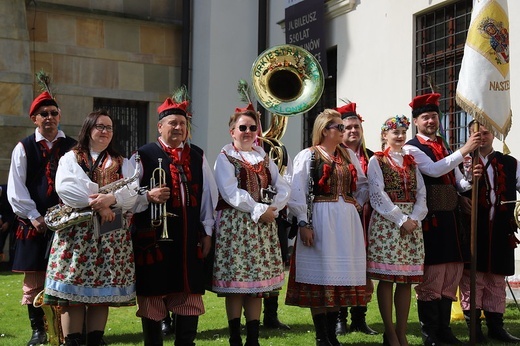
(239, 198)
(380, 200)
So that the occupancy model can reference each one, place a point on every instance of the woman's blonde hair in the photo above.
(322, 120)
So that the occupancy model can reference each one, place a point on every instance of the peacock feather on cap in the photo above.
(244, 91)
(44, 81)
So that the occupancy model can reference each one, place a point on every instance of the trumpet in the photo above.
(516, 212)
(158, 211)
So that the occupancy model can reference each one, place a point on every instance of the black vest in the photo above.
(442, 239)
(164, 267)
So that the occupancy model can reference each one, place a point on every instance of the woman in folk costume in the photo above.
(328, 269)
(395, 243)
(248, 263)
(91, 263)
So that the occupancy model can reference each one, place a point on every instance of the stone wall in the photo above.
(120, 49)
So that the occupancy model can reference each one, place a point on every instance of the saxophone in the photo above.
(52, 320)
(62, 216)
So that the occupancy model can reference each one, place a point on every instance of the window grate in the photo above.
(130, 123)
(440, 38)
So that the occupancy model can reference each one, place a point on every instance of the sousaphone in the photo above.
(287, 81)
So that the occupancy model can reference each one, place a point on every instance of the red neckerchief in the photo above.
(363, 160)
(51, 155)
(180, 172)
(440, 152)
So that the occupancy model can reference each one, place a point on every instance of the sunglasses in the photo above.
(101, 128)
(243, 128)
(46, 114)
(339, 127)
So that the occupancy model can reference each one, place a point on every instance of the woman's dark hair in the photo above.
(84, 134)
(234, 118)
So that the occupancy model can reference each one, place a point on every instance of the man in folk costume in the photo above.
(444, 261)
(353, 139)
(170, 258)
(496, 240)
(31, 192)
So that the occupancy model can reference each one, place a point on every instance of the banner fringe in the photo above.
(483, 119)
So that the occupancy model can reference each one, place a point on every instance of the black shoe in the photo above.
(39, 337)
(273, 322)
(363, 328)
(503, 335)
(359, 324)
(341, 323)
(166, 327)
(495, 324)
(341, 328)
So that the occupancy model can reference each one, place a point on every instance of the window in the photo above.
(130, 123)
(440, 38)
(327, 100)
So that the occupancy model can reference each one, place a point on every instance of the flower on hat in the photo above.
(425, 103)
(396, 122)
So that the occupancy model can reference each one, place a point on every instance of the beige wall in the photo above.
(116, 49)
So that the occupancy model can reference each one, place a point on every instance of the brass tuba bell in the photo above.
(287, 80)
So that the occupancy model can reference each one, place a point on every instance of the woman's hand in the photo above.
(408, 227)
(268, 216)
(205, 243)
(39, 224)
(101, 201)
(307, 236)
(106, 215)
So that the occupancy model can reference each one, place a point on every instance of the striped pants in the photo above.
(156, 307)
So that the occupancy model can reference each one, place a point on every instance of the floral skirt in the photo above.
(248, 258)
(88, 269)
(392, 257)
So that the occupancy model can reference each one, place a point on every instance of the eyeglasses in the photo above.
(243, 128)
(339, 127)
(101, 128)
(46, 114)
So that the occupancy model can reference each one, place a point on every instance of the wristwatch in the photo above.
(302, 223)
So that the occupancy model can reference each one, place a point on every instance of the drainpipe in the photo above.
(186, 43)
(263, 6)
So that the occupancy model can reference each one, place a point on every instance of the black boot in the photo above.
(167, 325)
(95, 338)
(479, 336)
(495, 324)
(445, 335)
(320, 325)
(74, 339)
(341, 323)
(39, 335)
(271, 314)
(332, 318)
(359, 324)
(252, 330)
(152, 332)
(185, 330)
(428, 312)
(235, 339)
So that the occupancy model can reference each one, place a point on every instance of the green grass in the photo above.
(124, 328)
